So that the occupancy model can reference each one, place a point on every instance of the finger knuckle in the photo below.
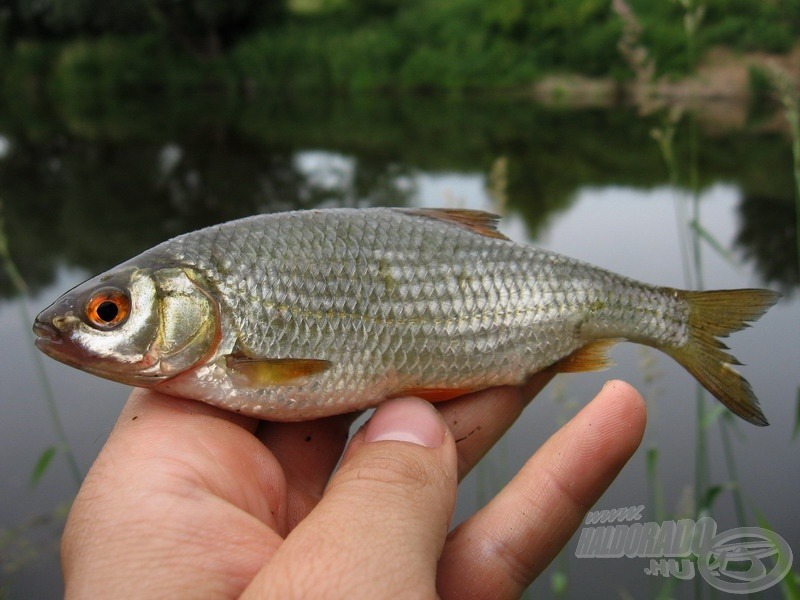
(400, 470)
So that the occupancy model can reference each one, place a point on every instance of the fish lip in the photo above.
(46, 333)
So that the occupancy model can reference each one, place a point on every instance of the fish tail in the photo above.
(713, 315)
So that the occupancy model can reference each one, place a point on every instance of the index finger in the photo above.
(503, 547)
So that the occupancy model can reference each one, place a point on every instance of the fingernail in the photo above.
(406, 420)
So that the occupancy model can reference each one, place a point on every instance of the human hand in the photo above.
(186, 500)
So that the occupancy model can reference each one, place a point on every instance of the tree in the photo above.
(206, 27)
(202, 27)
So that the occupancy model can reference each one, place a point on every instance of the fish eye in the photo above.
(107, 308)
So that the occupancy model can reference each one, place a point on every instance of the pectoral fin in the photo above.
(265, 372)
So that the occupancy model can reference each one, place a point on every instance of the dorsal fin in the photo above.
(477, 221)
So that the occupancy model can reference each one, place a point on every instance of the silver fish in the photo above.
(304, 314)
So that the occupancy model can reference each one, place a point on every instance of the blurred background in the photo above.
(658, 139)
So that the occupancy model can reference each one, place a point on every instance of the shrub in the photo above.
(26, 70)
(366, 59)
(290, 59)
(106, 68)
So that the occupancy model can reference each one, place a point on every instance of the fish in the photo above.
(304, 314)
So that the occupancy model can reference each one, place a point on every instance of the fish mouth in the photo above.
(47, 335)
(53, 342)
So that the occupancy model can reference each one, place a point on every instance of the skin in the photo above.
(186, 500)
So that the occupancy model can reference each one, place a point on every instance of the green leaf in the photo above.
(558, 583)
(711, 416)
(652, 461)
(790, 585)
(711, 495)
(41, 465)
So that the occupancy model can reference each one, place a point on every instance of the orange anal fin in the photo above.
(264, 372)
(477, 221)
(591, 357)
(434, 394)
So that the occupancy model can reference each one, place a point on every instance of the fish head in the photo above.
(137, 326)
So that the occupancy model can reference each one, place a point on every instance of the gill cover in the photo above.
(133, 325)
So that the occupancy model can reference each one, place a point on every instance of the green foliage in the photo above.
(206, 27)
(510, 42)
(202, 28)
(373, 8)
(90, 75)
(366, 59)
(361, 45)
(75, 16)
(106, 67)
(469, 63)
(740, 24)
(570, 33)
(451, 45)
(24, 74)
(284, 60)
(749, 25)
(760, 84)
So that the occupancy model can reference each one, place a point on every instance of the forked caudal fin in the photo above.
(716, 314)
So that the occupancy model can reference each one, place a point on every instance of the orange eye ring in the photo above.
(108, 308)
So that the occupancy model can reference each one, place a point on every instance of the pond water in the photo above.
(82, 190)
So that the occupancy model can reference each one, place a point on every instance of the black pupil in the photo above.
(107, 311)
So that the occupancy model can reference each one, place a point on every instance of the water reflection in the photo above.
(93, 189)
(767, 237)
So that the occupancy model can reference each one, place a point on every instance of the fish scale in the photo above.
(303, 314)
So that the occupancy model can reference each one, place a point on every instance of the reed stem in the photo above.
(21, 286)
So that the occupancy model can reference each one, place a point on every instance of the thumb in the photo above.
(381, 524)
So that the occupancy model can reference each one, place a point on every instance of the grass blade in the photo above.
(22, 288)
(712, 415)
(790, 585)
(41, 465)
(654, 484)
(559, 584)
(707, 237)
(710, 496)
(796, 429)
